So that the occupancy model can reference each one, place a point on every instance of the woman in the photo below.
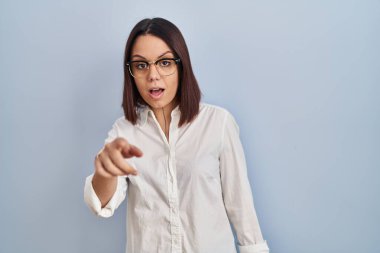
(189, 179)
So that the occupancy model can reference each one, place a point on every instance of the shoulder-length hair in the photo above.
(188, 93)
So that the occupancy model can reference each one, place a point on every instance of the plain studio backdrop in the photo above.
(301, 78)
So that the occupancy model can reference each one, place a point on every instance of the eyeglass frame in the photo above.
(176, 60)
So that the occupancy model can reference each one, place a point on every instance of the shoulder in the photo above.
(221, 115)
(215, 111)
(121, 128)
(207, 108)
(122, 123)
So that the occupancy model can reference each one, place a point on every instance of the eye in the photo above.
(165, 63)
(140, 65)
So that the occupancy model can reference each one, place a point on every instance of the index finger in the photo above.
(131, 150)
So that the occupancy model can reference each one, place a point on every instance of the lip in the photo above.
(153, 88)
(157, 96)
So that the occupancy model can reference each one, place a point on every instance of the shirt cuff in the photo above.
(93, 202)
(261, 247)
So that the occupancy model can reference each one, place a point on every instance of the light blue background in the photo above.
(301, 78)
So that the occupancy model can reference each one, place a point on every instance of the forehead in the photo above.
(149, 46)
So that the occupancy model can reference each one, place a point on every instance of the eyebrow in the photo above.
(137, 55)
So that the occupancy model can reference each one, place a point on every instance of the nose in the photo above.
(153, 72)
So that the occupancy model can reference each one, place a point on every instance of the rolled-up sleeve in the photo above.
(93, 202)
(90, 197)
(237, 194)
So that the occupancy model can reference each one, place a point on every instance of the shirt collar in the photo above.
(143, 112)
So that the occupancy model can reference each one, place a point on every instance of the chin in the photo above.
(156, 105)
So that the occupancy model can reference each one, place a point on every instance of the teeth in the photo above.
(155, 89)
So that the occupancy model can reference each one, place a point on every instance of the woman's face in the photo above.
(150, 48)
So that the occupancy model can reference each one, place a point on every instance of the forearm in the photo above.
(104, 188)
(237, 193)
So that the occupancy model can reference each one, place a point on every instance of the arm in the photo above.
(94, 203)
(237, 193)
(106, 188)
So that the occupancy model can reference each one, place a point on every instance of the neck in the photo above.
(165, 112)
(163, 116)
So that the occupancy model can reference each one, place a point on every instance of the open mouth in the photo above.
(155, 93)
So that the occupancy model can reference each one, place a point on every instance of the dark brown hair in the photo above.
(188, 93)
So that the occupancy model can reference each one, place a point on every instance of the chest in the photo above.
(191, 155)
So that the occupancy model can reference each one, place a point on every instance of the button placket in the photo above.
(175, 225)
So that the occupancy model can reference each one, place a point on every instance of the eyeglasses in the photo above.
(164, 66)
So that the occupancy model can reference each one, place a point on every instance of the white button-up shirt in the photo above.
(188, 190)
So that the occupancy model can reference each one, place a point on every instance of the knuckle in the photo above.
(120, 142)
(109, 171)
(107, 147)
(105, 174)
